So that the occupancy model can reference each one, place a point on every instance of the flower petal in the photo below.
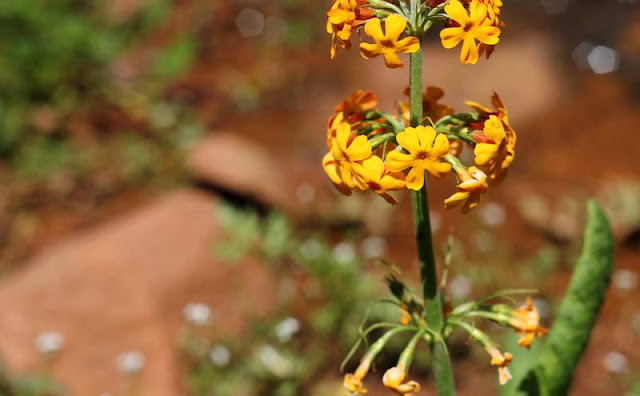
(484, 152)
(373, 29)
(489, 35)
(372, 168)
(415, 178)
(437, 169)
(426, 135)
(469, 53)
(408, 139)
(397, 162)
(369, 51)
(392, 60)
(456, 11)
(392, 182)
(456, 199)
(408, 45)
(451, 36)
(359, 149)
(440, 146)
(394, 26)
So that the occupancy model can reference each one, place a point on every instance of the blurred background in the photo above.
(166, 228)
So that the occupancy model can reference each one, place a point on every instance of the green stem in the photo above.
(433, 305)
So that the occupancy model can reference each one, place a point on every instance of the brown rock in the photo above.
(122, 287)
(240, 166)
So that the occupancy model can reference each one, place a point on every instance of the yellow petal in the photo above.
(330, 168)
(415, 178)
(426, 135)
(397, 162)
(456, 199)
(373, 29)
(477, 12)
(469, 53)
(484, 152)
(369, 51)
(390, 183)
(343, 132)
(373, 168)
(408, 45)
(451, 36)
(392, 60)
(437, 169)
(440, 146)
(477, 106)
(394, 26)
(408, 139)
(489, 35)
(494, 129)
(456, 11)
(360, 149)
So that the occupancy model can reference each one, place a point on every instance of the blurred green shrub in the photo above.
(28, 385)
(312, 293)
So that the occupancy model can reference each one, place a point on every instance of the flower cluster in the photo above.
(474, 23)
(372, 150)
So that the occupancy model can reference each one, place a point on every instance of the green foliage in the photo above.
(553, 371)
(28, 385)
(57, 68)
(174, 59)
(313, 274)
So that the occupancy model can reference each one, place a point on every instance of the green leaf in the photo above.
(577, 314)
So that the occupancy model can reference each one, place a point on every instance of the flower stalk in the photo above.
(424, 240)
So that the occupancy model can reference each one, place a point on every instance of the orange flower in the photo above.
(426, 149)
(472, 26)
(388, 44)
(359, 102)
(473, 183)
(348, 151)
(394, 380)
(343, 18)
(330, 166)
(353, 382)
(495, 151)
(340, 24)
(526, 321)
(332, 128)
(502, 361)
(378, 179)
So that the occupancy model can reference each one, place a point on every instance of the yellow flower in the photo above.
(332, 128)
(502, 361)
(473, 183)
(426, 150)
(493, 11)
(526, 322)
(498, 152)
(330, 166)
(378, 179)
(340, 23)
(393, 379)
(500, 109)
(387, 44)
(347, 152)
(353, 382)
(473, 26)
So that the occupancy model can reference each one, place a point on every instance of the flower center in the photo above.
(422, 155)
